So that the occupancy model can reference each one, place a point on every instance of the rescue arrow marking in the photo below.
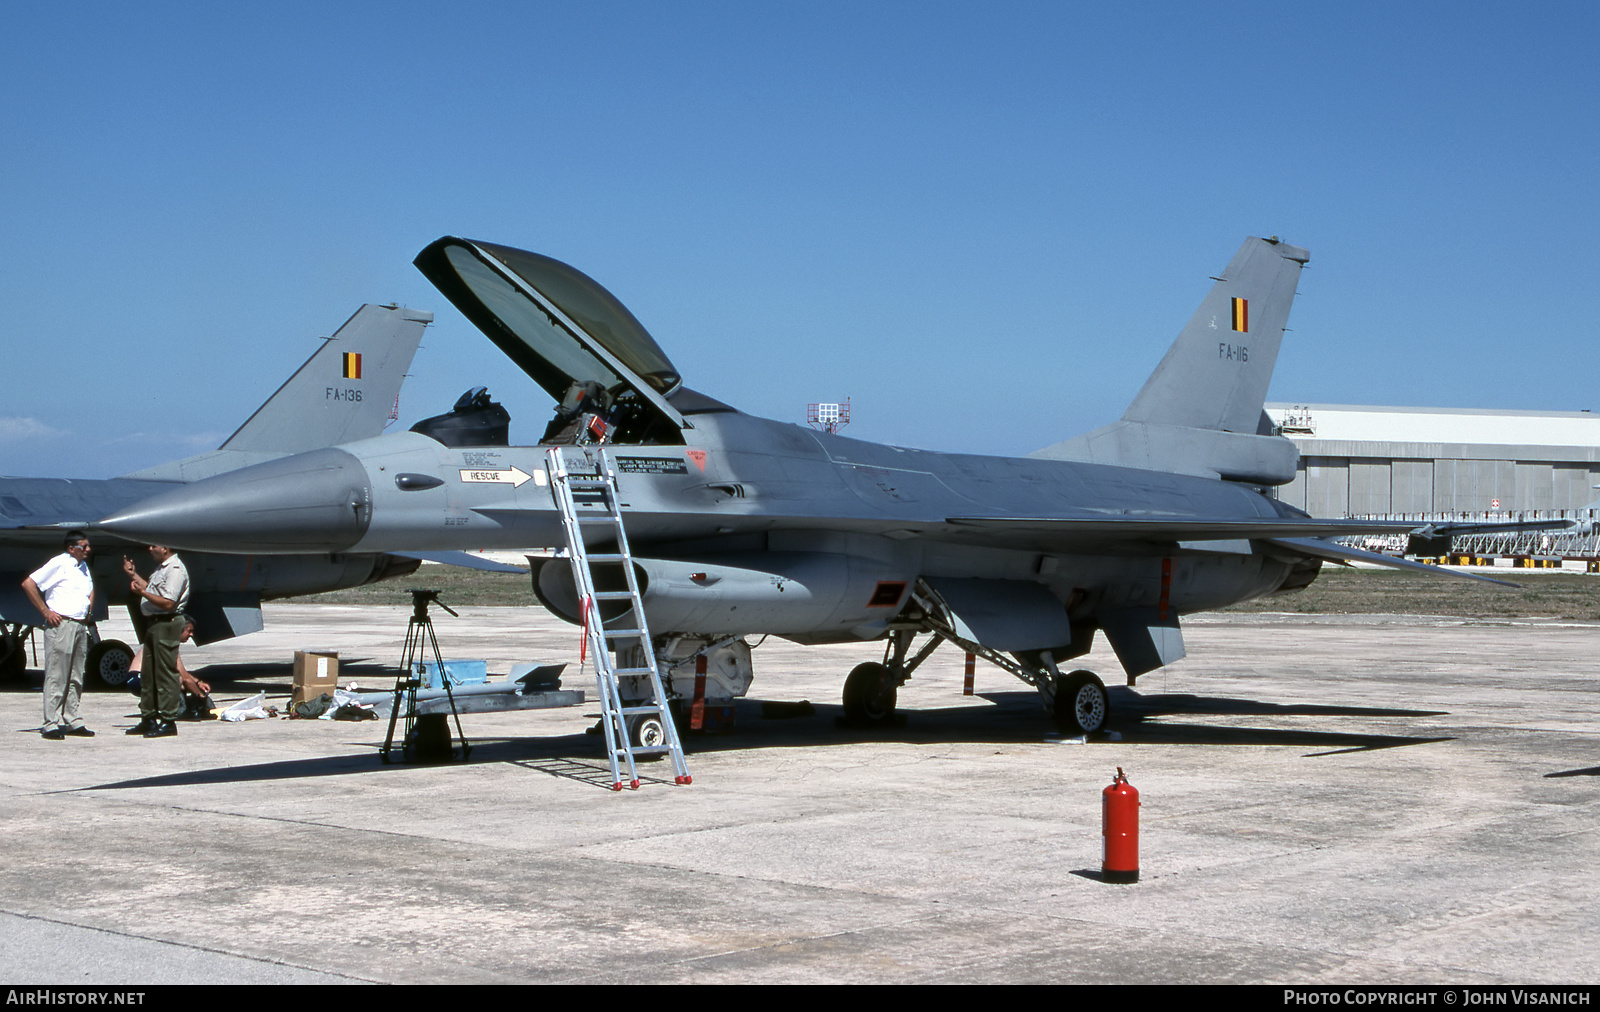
(514, 476)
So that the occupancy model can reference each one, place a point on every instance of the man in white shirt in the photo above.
(63, 592)
(164, 596)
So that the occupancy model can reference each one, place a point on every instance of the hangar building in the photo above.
(1380, 461)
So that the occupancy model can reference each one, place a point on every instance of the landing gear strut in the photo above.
(1078, 701)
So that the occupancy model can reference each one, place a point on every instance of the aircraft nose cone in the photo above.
(319, 501)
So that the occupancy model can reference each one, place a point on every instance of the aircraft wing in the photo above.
(1177, 528)
(1303, 537)
(1335, 552)
(36, 511)
(464, 560)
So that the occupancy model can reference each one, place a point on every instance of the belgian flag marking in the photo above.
(1241, 315)
(352, 359)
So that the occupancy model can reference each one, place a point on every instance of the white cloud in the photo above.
(205, 440)
(14, 429)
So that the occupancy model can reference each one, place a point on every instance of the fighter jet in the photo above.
(344, 391)
(742, 526)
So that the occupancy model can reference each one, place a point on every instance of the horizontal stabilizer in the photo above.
(1335, 552)
(14, 603)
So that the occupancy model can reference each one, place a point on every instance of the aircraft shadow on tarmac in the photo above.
(1135, 713)
(247, 677)
(1002, 718)
(1587, 771)
(252, 676)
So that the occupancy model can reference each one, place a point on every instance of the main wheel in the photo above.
(645, 730)
(107, 664)
(13, 664)
(869, 695)
(1082, 705)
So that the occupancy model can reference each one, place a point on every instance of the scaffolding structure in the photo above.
(1579, 543)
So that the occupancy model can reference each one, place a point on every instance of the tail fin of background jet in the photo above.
(345, 391)
(1200, 412)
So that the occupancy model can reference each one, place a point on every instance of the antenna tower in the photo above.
(830, 416)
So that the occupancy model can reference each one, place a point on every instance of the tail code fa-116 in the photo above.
(743, 526)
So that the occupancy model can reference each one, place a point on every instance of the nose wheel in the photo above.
(646, 731)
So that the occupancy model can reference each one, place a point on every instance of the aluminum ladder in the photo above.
(587, 473)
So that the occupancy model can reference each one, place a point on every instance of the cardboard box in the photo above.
(315, 672)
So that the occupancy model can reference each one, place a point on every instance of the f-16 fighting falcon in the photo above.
(741, 526)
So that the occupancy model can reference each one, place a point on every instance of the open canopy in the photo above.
(559, 325)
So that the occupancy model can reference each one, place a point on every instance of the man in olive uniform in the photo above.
(163, 598)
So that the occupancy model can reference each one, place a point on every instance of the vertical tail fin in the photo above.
(1200, 411)
(344, 392)
(1216, 373)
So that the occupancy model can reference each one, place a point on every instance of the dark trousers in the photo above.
(159, 694)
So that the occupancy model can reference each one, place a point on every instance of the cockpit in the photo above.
(610, 380)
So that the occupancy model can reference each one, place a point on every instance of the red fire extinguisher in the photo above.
(1119, 831)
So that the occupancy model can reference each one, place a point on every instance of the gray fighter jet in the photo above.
(743, 526)
(344, 391)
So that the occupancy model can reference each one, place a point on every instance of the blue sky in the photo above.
(981, 222)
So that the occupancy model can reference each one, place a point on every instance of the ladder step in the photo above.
(624, 634)
(630, 671)
(613, 595)
(607, 519)
(608, 558)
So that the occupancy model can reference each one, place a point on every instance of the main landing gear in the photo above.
(1077, 701)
